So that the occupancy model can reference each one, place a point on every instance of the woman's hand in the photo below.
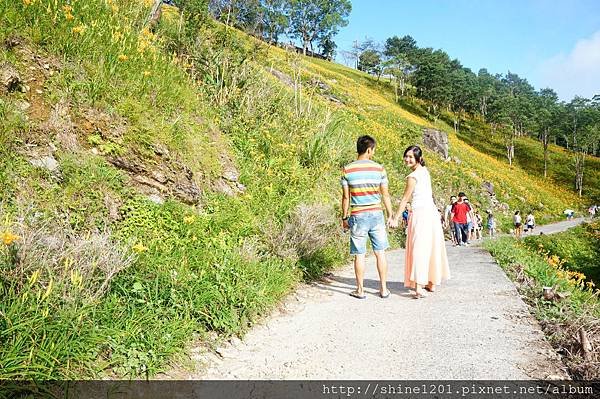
(392, 222)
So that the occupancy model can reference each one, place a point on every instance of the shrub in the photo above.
(45, 254)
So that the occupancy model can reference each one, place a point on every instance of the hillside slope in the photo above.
(369, 107)
(155, 188)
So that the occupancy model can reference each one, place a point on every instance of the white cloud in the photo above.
(575, 73)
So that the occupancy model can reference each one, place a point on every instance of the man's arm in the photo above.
(345, 206)
(387, 202)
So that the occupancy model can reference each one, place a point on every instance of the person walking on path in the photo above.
(364, 184)
(570, 213)
(518, 224)
(491, 224)
(530, 222)
(425, 257)
(458, 215)
(448, 222)
(478, 225)
(592, 211)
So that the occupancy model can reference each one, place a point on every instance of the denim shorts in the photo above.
(367, 225)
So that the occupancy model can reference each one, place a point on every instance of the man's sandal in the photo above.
(385, 295)
(358, 295)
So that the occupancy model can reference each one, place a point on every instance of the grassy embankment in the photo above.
(99, 279)
(571, 315)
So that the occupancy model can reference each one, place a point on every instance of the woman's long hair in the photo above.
(417, 152)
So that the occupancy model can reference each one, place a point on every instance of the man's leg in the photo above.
(379, 242)
(382, 270)
(359, 271)
(458, 233)
(464, 228)
(358, 248)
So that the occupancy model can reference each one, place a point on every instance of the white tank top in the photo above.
(422, 196)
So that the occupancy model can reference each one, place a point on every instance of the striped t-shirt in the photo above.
(364, 179)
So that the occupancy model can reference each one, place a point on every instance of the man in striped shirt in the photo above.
(364, 184)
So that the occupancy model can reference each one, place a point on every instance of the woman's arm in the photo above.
(408, 190)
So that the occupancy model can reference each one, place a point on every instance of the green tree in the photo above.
(370, 61)
(327, 46)
(311, 19)
(581, 123)
(243, 14)
(463, 84)
(546, 119)
(400, 71)
(274, 19)
(432, 78)
(400, 47)
(486, 91)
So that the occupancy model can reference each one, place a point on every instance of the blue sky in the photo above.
(551, 43)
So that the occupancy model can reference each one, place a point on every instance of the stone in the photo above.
(488, 186)
(187, 192)
(282, 77)
(240, 187)
(150, 182)
(321, 85)
(22, 105)
(159, 176)
(334, 99)
(437, 141)
(157, 199)
(223, 187)
(231, 174)
(160, 150)
(12, 42)
(47, 162)
(10, 78)
(113, 207)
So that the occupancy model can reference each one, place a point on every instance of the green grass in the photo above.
(578, 248)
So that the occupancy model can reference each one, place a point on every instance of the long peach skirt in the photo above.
(426, 258)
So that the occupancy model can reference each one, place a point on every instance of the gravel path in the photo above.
(475, 327)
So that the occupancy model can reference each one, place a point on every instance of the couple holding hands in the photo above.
(365, 185)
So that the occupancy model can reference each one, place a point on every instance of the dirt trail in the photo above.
(475, 327)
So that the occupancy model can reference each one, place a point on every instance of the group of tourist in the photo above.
(464, 222)
(519, 227)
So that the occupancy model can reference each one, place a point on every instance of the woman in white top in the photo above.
(518, 224)
(426, 258)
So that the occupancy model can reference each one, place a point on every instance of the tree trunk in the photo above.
(154, 13)
(579, 168)
(510, 148)
(545, 143)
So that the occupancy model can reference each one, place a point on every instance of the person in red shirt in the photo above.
(459, 219)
